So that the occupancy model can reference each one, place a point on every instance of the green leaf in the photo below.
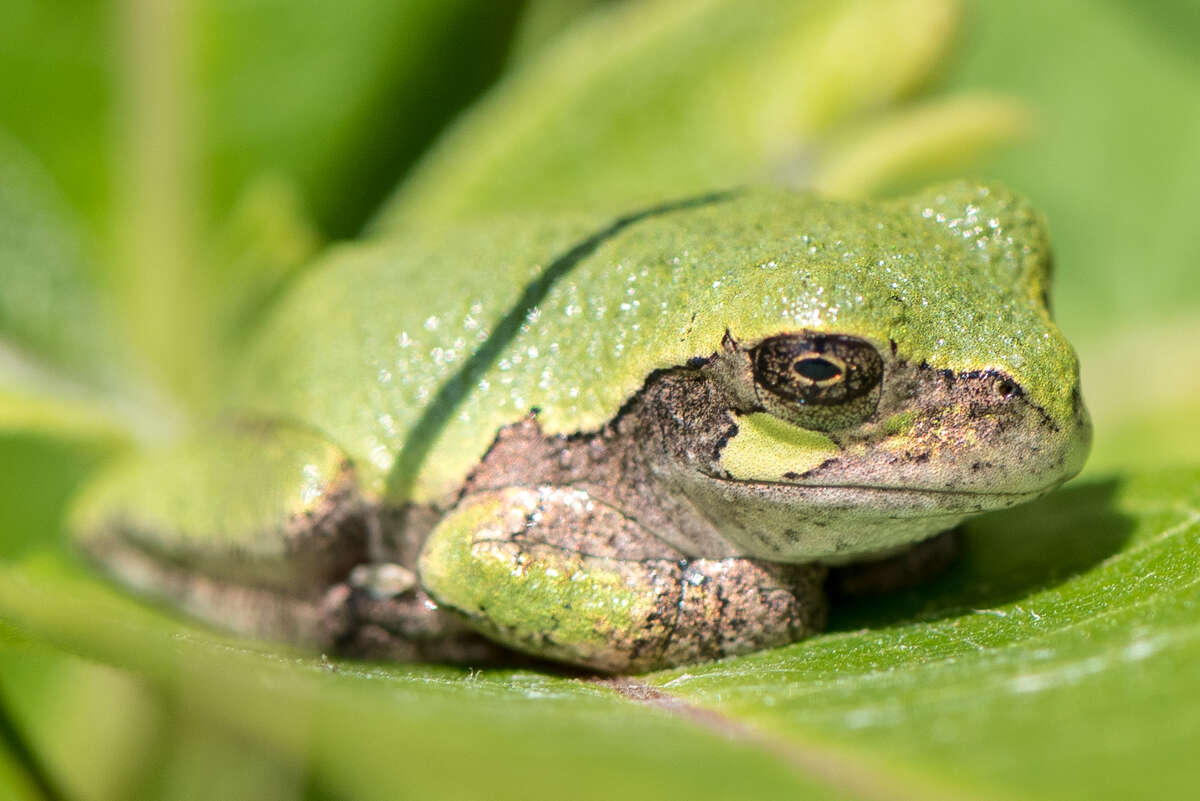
(358, 730)
(641, 101)
(194, 139)
(341, 102)
(61, 368)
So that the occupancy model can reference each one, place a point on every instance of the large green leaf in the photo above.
(358, 731)
(663, 98)
(1052, 662)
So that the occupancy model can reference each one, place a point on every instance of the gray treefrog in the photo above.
(622, 444)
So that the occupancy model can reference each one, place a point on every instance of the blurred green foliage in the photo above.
(165, 169)
(1115, 165)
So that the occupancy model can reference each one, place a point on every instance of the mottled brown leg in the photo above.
(555, 573)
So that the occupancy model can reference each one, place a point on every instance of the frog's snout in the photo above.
(1006, 443)
(977, 434)
(1077, 439)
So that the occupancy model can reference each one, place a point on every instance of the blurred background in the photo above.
(168, 168)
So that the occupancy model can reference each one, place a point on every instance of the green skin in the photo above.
(622, 444)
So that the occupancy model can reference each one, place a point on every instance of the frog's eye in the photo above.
(821, 381)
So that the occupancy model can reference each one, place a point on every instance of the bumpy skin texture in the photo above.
(623, 444)
(528, 568)
(436, 344)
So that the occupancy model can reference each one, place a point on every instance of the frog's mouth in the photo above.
(890, 500)
(915, 489)
(835, 522)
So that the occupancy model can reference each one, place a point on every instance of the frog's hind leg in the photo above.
(261, 529)
(555, 573)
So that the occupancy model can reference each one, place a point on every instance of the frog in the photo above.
(620, 443)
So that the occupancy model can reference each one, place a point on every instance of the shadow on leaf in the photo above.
(1007, 556)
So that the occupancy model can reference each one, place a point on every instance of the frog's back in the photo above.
(377, 336)
(412, 355)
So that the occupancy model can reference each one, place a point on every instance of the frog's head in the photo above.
(911, 377)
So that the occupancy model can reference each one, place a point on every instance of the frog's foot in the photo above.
(910, 567)
(560, 575)
(379, 612)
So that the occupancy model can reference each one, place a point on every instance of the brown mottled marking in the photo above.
(683, 609)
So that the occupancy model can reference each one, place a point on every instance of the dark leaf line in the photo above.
(832, 767)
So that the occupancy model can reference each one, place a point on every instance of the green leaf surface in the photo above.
(61, 367)
(1053, 661)
(638, 102)
(373, 731)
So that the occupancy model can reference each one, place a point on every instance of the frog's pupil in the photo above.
(817, 369)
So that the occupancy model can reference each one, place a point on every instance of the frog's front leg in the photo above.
(558, 574)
